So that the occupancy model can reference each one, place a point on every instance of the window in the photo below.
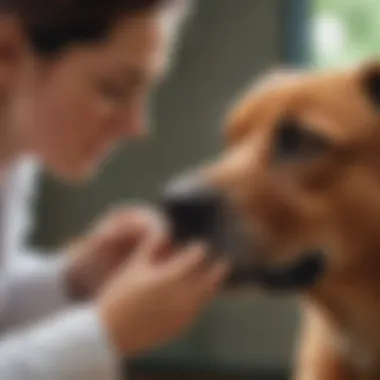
(345, 31)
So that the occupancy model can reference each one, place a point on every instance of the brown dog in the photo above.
(301, 170)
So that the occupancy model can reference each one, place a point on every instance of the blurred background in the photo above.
(225, 44)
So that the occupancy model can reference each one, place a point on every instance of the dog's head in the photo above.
(296, 193)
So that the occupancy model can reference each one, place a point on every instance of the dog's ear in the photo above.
(370, 82)
(240, 116)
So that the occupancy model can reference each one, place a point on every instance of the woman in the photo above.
(74, 79)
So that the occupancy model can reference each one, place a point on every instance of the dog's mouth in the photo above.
(196, 213)
(300, 274)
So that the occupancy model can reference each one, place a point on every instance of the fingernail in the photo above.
(222, 268)
(199, 247)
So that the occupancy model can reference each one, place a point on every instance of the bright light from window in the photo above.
(329, 37)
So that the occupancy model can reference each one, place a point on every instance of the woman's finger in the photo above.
(187, 261)
(153, 247)
(207, 283)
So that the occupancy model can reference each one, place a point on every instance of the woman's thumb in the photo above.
(154, 244)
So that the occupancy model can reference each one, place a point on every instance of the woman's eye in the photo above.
(294, 142)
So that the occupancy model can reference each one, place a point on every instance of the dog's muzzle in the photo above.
(196, 212)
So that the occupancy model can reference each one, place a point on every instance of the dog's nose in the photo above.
(194, 209)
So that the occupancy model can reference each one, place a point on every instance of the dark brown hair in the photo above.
(51, 25)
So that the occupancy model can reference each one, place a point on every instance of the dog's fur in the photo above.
(325, 193)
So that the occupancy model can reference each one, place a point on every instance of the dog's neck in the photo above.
(349, 301)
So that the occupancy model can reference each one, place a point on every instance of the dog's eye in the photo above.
(293, 142)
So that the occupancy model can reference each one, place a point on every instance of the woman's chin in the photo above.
(77, 171)
(78, 174)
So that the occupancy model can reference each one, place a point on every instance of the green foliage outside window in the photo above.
(345, 31)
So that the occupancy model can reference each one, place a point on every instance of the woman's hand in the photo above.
(152, 299)
(94, 258)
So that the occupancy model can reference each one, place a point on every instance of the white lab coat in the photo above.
(43, 335)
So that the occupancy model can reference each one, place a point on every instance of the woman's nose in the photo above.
(130, 129)
(134, 122)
